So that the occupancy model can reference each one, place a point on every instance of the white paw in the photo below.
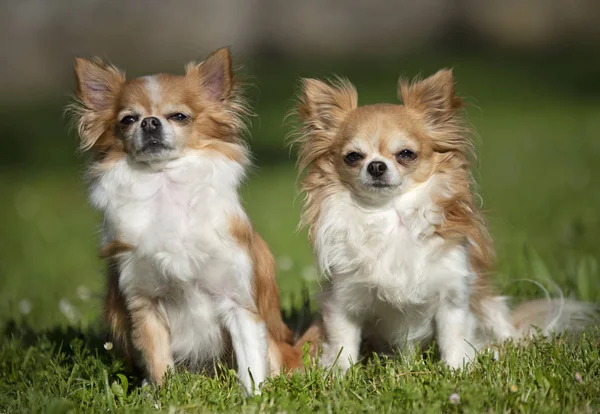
(333, 358)
(459, 359)
(250, 388)
(456, 363)
(250, 392)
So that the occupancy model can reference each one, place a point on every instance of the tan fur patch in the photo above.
(150, 336)
(234, 152)
(115, 248)
(265, 284)
(315, 335)
(116, 314)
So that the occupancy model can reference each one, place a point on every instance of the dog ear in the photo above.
(98, 88)
(435, 101)
(322, 107)
(215, 82)
(215, 75)
(433, 97)
(98, 83)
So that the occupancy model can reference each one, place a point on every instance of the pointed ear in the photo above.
(98, 83)
(435, 101)
(98, 88)
(322, 108)
(434, 97)
(215, 75)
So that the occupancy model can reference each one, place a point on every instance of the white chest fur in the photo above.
(177, 218)
(387, 265)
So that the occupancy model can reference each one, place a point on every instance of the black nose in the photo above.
(376, 168)
(150, 124)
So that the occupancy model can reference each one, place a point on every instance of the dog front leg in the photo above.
(455, 327)
(150, 337)
(250, 344)
(343, 336)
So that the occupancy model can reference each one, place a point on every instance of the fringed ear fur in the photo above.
(215, 75)
(219, 86)
(98, 87)
(322, 108)
(434, 99)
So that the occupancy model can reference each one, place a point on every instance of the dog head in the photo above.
(157, 118)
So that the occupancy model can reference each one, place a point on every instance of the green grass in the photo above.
(539, 125)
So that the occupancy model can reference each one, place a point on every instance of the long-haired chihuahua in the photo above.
(189, 279)
(395, 226)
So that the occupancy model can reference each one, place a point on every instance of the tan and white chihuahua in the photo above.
(189, 279)
(395, 226)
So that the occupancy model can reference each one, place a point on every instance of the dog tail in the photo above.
(547, 316)
(554, 316)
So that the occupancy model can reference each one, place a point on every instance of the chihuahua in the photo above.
(190, 282)
(395, 227)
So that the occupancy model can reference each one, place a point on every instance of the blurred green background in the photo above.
(535, 106)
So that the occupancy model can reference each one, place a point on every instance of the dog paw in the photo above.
(336, 362)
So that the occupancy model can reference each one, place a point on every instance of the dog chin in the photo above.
(376, 193)
(155, 154)
(380, 187)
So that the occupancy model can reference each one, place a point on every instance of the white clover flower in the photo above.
(454, 399)
(108, 345)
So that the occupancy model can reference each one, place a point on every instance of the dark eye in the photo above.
(128, 120)
(405, 155)
(178, 117)
(352, 158)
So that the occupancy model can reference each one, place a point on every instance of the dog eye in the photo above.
(405, 155)
(352, 158)
(178, 117)
(128, 120)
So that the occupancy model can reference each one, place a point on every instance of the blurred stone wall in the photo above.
(39, 38)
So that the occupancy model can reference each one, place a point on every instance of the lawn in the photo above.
(538, 121)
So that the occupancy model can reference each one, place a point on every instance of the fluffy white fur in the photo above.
(392, 279)
(177, 217)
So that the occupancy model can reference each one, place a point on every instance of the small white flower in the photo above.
(309, 273)
(83, 293)
(496, 355)
(285, 263)
(454, 398)
(108, 346)
(67, 309)
(578, 378)
(25, 306)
